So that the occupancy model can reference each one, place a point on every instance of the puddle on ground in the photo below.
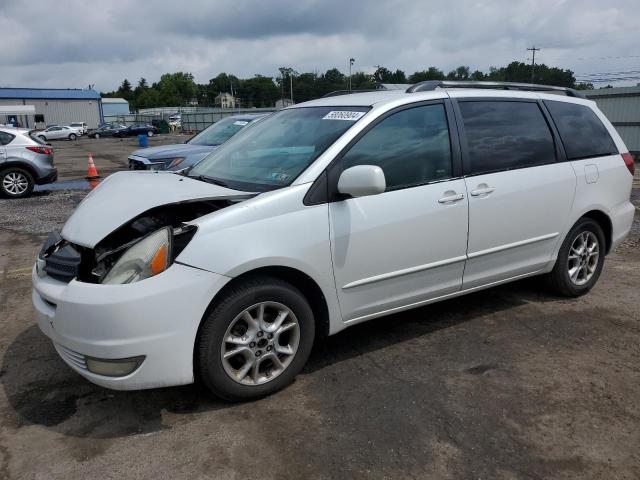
(79, 184)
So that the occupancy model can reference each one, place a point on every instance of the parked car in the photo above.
(175, 121)
(324, 215)
(81, 126)
(184, 155)
(134, 130)
(106, 130)
(24, 162)
(58, 133)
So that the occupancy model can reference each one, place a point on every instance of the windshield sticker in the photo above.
(279, 177)
(241, 123)
(343, 115)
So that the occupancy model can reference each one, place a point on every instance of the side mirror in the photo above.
(362, 180)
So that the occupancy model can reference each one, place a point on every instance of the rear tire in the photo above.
(580, 260)
(257, 316)
(150, 133)
(16, 183)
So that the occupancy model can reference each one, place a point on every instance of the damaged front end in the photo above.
(144, 246)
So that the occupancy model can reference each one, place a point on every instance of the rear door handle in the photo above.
(482, 191)
(456, 197)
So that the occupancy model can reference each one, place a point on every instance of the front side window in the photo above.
(412, 147)
(506, 135)
(272, 153)
(581, 131)
(219, 132)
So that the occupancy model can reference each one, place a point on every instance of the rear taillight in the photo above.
(628, 161)
(41, 150)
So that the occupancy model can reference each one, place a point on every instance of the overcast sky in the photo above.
(72, 43)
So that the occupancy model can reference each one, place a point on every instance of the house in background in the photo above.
(225, 100)
(284, 102)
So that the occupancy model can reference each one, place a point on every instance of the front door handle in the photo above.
(451, 197)
(482, 190)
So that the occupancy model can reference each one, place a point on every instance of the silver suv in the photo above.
(25, 161)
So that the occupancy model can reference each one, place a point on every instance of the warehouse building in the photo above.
(52, 106)
(621, 105)
(115, 106)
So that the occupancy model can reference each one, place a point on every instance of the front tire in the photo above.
(16, 183)
(255, 340)
(97, 135)
(580, 260)
(72, 137)
(42, 137)
(150, 133)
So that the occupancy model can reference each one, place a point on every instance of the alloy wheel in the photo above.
(15, 183)
(260, 343)
(583, 257)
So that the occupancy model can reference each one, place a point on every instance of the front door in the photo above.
(520, 195)
(408, 244)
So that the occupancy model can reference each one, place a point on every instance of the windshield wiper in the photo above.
(205, 178)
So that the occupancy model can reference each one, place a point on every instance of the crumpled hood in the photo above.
(125, 195)
(172, 151)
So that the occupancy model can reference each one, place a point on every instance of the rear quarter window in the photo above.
(581, 131)
(6, 138)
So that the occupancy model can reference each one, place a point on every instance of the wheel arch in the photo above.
(307, 285)
(18, 164)
(602, 219)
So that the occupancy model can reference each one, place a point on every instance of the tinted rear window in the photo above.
(506, 135)
(582, 133)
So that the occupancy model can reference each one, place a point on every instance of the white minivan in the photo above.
(324, 215)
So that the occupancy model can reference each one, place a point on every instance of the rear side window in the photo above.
(506, 135)
(583, 134)
(6, 138)
(411, 147)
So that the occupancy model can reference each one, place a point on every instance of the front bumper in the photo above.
(157, 318)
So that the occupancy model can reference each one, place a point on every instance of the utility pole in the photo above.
(533, 60)
(291, 82)
(351, 62)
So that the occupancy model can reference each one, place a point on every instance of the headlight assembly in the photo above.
(173, 162)
(146, 258)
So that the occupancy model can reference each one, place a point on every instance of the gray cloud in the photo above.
(74, 43)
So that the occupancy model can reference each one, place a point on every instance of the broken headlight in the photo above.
(146, 258)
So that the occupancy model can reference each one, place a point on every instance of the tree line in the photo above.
(180, 89)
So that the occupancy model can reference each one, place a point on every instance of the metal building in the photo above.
(53, 106)
(115, 106)
(621, 105)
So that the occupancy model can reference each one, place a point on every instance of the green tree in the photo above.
(176, 89)
(432, 73)
(460, 73)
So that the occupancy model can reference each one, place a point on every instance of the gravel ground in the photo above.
(506, 383)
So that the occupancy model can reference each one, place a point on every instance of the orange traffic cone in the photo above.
(92, 171)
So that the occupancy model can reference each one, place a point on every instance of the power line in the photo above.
(533, 60)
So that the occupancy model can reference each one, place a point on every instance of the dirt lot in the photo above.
(109, 154)
(506, 383)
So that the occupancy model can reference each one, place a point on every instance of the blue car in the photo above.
(184, 155)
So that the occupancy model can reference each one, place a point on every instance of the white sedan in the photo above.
(58, 133)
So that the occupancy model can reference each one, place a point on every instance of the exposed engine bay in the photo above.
(65, 261)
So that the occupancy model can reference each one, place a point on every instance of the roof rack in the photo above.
(531, 87)
(347, 92)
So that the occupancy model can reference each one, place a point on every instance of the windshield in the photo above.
(275, 151)
(219, 132)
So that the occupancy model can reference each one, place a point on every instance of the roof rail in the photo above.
(531, 87)
(336, 93)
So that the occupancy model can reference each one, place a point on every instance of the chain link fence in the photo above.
(196, 122)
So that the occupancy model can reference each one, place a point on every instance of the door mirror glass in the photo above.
(362, 180)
